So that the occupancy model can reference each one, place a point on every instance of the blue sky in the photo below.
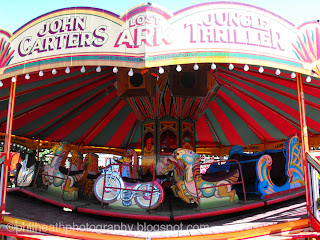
(15, 13)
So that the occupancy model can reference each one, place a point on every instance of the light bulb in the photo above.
(161, 70)
(278, 72)
(231, 66)
(115, 70)
(41, 73)
(179, 68)
(54, 71)
(293, 75)
(130, 73)
(1, 83)
(213, 66)
(98, 69)
(13, 79)
(261, 69)
(246, 67)
(67, 70)
(308, 79)
(83, 69)
(27, 76)
(195, 67)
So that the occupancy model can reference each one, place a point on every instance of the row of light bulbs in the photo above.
(161, 71)
(54, 71)
(231, 67)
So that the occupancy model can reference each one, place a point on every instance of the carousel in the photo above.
(208, 111)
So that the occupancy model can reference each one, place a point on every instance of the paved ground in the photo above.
(25, 207)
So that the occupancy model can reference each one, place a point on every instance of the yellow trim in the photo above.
(59, 231)
(150, 63)
(255, 232)
(224, 150)
(314, 141)
(5, 30)
(74, 63)
(293, 226)
(34, 144)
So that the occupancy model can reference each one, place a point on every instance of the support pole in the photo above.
(304, 139)
(38, 149)
(7, 144)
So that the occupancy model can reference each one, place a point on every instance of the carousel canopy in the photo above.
(67, 66)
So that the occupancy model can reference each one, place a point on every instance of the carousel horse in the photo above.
(60, 152)
(79, 170)
(187, 178)
(91, 172)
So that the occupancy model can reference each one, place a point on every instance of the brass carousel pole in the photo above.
(38, 149)
(5, 166)
(304, 139)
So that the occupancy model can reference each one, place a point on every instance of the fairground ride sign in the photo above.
(149, 36)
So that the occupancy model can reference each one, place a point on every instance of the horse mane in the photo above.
(179, 166)
(91, 159)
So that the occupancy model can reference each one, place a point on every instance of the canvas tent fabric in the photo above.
(84, 109)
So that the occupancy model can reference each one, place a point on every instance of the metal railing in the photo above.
(314, 171)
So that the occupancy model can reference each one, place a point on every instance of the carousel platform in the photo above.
(32, 217)
(173, 209)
